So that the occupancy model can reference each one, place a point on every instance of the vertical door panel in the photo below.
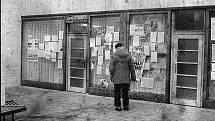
(76, 63)
(186, 75)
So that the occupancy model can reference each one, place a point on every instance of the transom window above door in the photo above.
(189, 20)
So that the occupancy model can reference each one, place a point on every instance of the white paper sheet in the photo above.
(60, 55)
(136, 40)
(60, 42)
(213, 67)
(59, 64)
(146, 50)
(60, 34)
(41, 46)
(92, 65)
(160, 37)
(137, 30)
(107, 72)
(212, 75)
(213, 23)
(53, 46)
(153, 36)
(147, 82)
(53, 55)
(116, 36)
(153, 47)
(98, 40)
(100, 60)
(213, 53)
(54, 38)
(94, 51)
(109, 29)
(47, 38)
(212, 34)
(92, 42)
(100, 50)
(108, 37)
(99, 69)
(147, 66)
(107, 54)
(154, 57)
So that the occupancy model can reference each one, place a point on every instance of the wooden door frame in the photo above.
(68, 88)
(200, 70)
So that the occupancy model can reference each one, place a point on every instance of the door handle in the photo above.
(175, 68)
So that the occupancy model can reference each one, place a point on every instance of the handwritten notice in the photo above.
(47, 38)
(147, 82)
(136, 40)
(98, 40)
(99, 69)
(153, 36)
(92, 42)
(154, 57)
(160, 37)
(137, 30)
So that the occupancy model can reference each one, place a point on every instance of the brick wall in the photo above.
(10, 42)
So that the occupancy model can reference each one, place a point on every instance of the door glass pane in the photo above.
(77, 43)
(77, 63)
(187, 44)
(76, 82)
(186, 93)
(189, 69)
(186, 81)
(188, 56)
(77, 53)
(76, 72)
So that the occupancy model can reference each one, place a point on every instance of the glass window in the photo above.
(148, 47)
(104, 34)
(189, 20)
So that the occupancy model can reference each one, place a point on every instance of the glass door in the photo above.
(76, 62)
(186, 70)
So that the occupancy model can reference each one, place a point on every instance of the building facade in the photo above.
(172, 44)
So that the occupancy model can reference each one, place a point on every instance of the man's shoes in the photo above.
(126, 108)
(118, 109)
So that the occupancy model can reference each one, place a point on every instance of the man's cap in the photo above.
(118, 45)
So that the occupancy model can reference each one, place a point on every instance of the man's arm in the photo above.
(133, 76)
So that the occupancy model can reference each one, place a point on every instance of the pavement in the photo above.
(53, 105)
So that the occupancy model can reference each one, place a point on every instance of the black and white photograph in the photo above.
(108, 60)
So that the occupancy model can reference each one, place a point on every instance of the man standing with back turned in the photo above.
(121, 74)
